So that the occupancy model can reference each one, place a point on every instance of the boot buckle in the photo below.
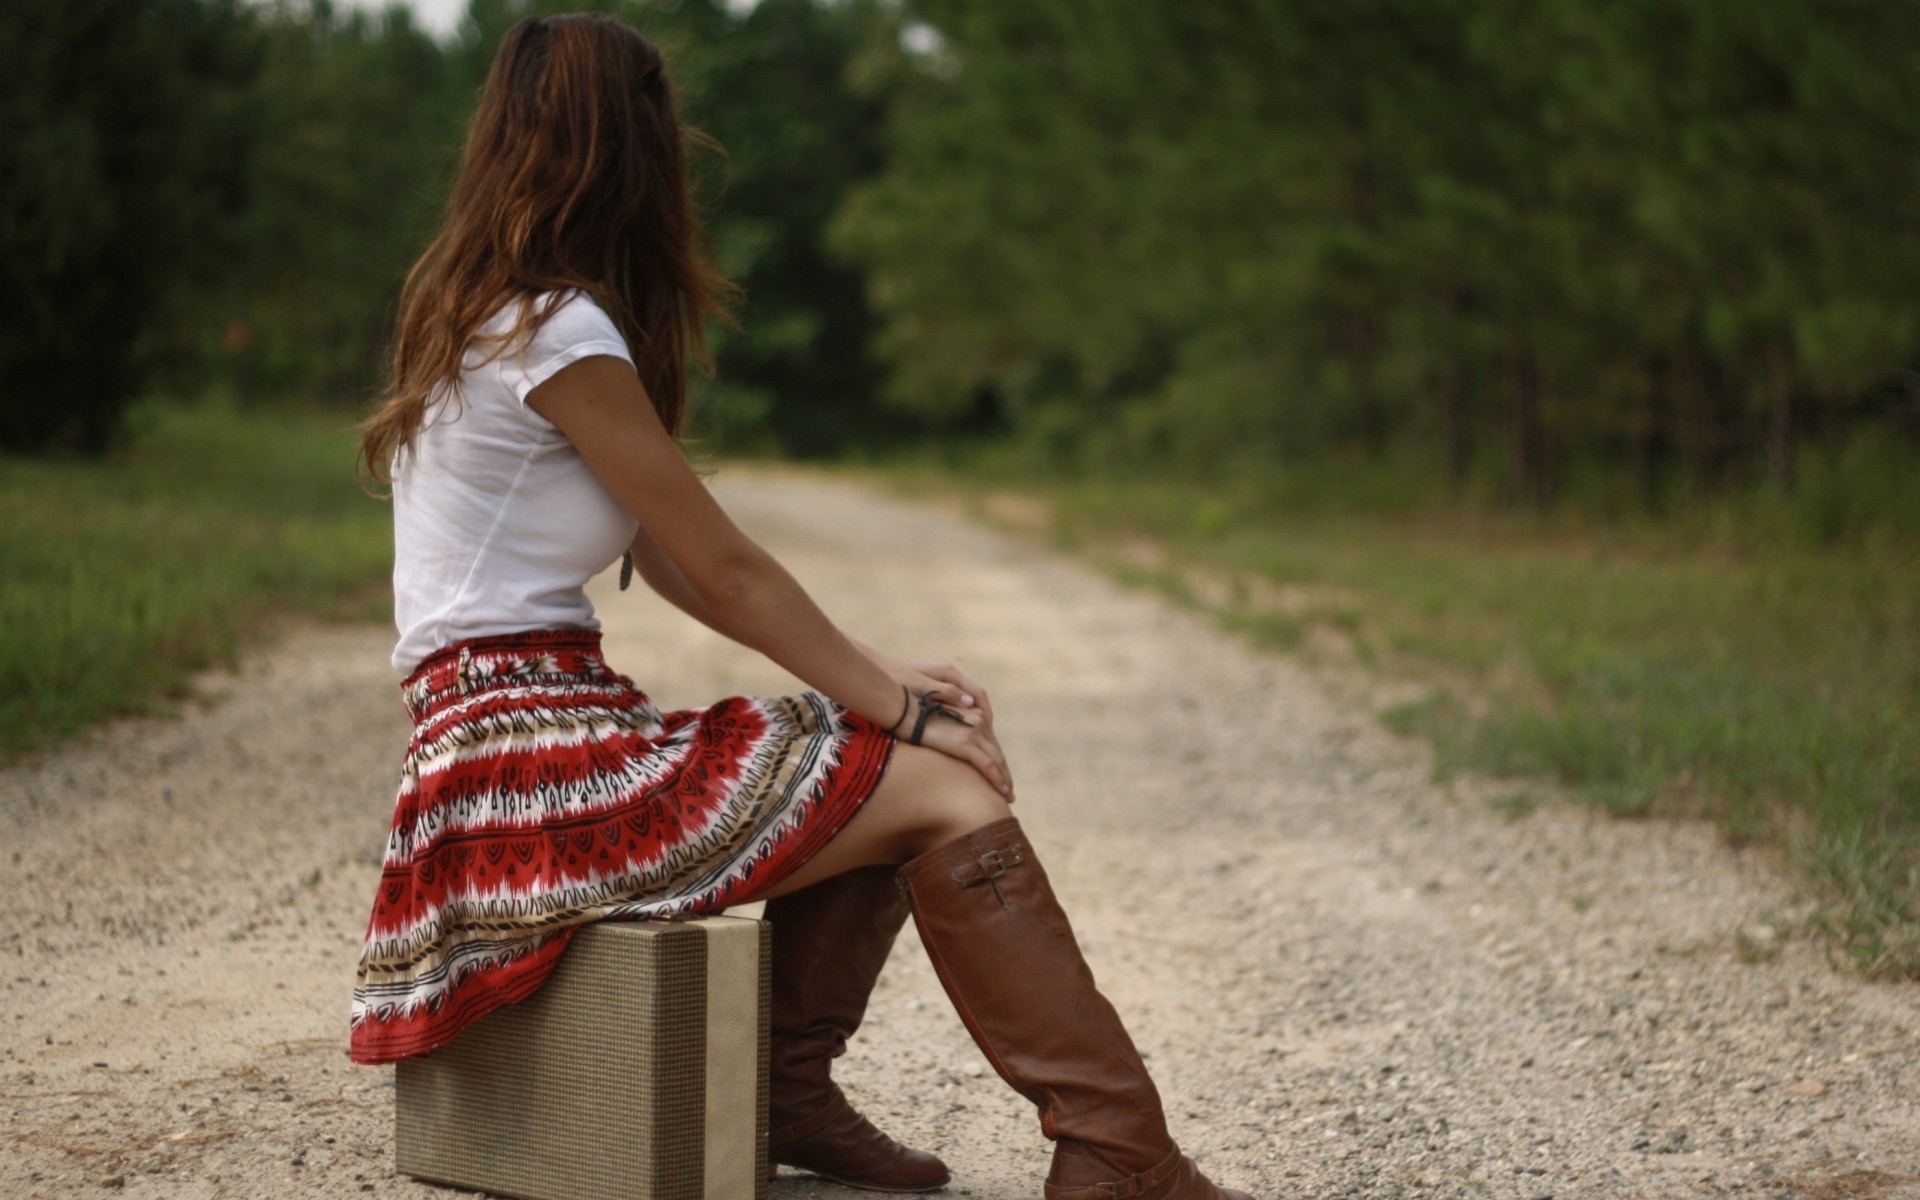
(990, 866)
(994, 864)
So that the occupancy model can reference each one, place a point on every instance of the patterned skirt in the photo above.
(541, 791)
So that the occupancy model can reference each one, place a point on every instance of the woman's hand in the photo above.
(964, 732)
(945, 684)
(943, 681)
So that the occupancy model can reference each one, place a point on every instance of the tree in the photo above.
(123, 162)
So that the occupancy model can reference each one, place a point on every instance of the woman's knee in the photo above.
(943, 799)
(961, 802)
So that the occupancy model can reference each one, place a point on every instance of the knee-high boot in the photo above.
(1008, 959)
(829, 942)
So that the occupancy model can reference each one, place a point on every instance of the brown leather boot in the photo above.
(829, 943)
(1008, 959)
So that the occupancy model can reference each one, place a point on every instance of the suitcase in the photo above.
(638, 1071)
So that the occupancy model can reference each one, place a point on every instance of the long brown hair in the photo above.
(574, 175)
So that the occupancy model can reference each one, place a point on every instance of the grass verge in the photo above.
(124, 576)
(1773, 687)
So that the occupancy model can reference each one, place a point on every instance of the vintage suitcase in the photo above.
(638, 1071)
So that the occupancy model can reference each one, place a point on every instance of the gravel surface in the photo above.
(1349, 981)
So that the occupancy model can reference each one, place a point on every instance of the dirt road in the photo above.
(1349, 981)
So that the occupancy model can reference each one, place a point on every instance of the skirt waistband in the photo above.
(484, 664)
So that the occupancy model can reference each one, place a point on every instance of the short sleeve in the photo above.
(577, 329)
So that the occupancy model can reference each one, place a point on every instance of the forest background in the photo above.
(1557, 361)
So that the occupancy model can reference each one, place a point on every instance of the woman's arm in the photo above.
(600, 405)
(660, 573)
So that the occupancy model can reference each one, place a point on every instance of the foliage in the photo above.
(122, 167)
(318, 148)
(125, 575)
(357, 124)
(771, 87)
(1674, 239)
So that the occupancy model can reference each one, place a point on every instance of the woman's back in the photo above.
(498, 522)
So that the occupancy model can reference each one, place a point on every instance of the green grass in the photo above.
(1705, 667)
(120, 578)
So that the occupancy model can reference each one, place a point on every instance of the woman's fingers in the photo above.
(954, 695)
(945, 691)
(1000, 770)
(944, 694)
(946, 682)
(970, 693)
(976, 695)
(972, 743)
(992, 766)
(994, 773)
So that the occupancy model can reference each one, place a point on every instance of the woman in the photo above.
(561, 301)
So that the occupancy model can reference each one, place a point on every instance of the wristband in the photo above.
(930, 708)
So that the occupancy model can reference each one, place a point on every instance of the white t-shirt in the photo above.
(498, 522)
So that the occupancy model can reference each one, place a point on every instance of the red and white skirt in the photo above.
(541, 791)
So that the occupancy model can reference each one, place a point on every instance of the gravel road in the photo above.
(1349, 981)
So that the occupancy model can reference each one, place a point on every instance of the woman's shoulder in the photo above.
(557, 319)
(569, 325)
(575, 319)
(557, 310)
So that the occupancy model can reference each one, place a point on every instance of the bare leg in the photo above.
(925, 799)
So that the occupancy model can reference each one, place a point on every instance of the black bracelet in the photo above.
(906, 702)
(929, 708)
